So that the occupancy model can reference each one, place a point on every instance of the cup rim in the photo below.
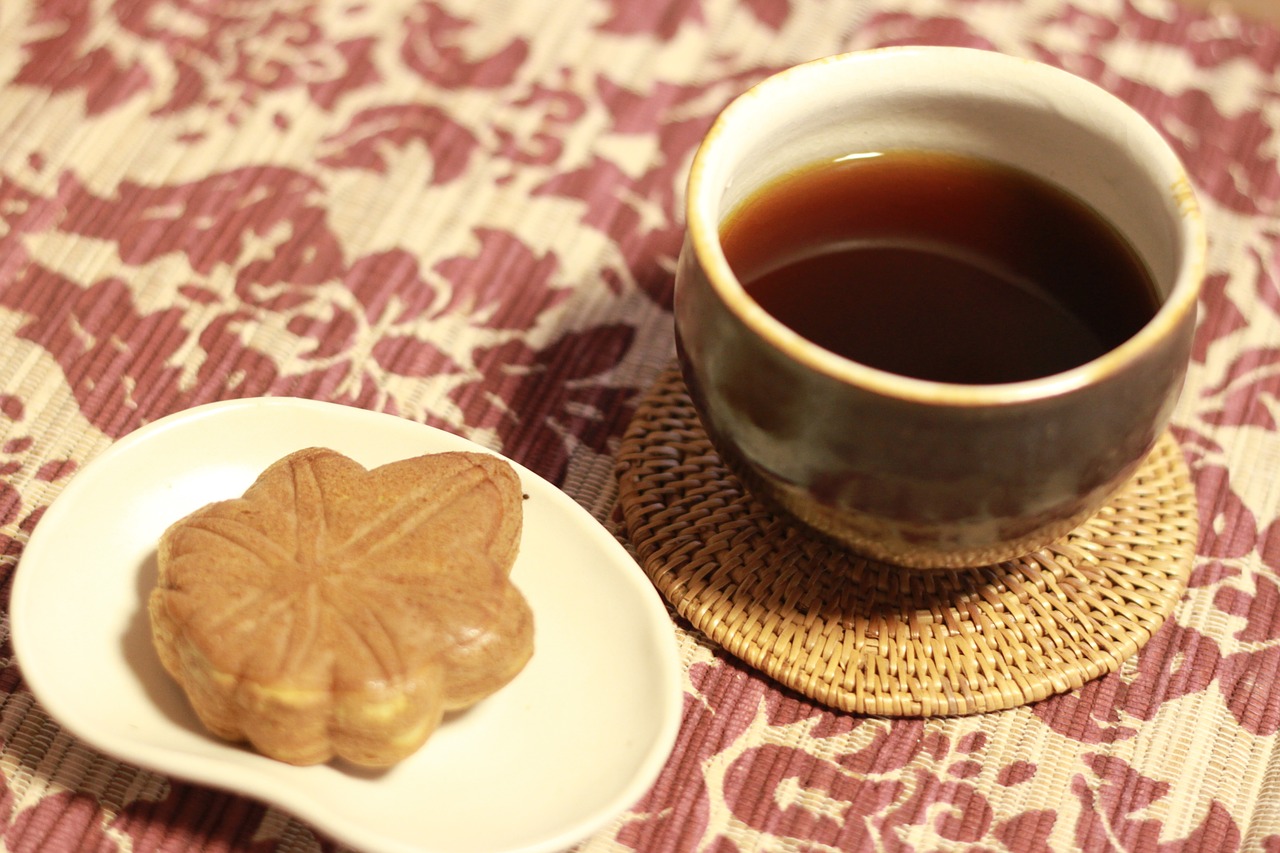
(702, 224)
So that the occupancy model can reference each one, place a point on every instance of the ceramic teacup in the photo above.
(911, 471)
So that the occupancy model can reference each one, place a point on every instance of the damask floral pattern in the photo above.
(467, 215)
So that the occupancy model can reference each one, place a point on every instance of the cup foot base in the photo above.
(869, 637)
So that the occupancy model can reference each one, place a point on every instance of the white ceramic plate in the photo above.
(573, 741)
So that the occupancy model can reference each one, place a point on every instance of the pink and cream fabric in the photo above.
(467, 215)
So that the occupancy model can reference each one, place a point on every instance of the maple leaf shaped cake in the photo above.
(337, 611)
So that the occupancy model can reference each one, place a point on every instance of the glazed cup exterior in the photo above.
(917, 473)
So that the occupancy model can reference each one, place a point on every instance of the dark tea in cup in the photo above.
(939, 266)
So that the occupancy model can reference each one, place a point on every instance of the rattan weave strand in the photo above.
(872, 638)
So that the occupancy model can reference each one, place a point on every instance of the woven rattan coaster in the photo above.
(868, 637)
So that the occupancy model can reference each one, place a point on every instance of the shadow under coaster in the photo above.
(869, 637)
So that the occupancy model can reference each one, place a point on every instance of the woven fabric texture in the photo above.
(467, 214)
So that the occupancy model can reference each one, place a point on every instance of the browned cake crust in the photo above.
(334, 611)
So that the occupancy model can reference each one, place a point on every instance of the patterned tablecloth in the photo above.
(467, 214)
